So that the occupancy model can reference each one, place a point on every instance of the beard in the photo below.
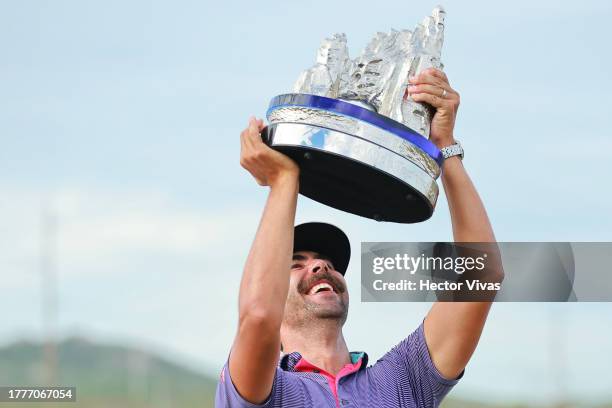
(301, 311)
(338, 310)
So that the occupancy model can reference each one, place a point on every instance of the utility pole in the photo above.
(49, 297)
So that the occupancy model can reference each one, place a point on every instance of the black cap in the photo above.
(325, 239)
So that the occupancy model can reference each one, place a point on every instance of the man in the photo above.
(293, 296)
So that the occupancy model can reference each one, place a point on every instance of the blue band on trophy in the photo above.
(357, 112)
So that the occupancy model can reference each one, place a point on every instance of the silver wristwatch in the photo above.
(453, 150)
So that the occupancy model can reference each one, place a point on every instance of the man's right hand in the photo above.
(267, 166)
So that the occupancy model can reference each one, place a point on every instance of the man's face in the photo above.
(316, 290)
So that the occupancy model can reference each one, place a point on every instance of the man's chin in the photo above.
(326, 306)
(326, 300)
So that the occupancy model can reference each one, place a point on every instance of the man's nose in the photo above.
(319, 265)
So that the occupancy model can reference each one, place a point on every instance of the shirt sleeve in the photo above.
(412, 360)
(228, 397)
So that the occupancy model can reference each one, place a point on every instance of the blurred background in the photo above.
(125, 218)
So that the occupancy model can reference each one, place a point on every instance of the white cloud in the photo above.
(102, 227)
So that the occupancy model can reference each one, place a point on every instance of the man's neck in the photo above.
(322, 345)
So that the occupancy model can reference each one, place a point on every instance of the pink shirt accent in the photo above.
(305, 366)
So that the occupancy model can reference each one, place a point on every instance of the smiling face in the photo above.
(316, 291)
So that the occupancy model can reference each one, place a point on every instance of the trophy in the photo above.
(361, 143)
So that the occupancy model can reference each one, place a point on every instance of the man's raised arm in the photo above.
(452, 330)
(265, 280)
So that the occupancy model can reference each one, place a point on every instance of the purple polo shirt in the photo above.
(404, 377)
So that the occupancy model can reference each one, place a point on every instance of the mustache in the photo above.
(305, 284)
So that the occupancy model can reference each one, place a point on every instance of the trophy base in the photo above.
(354, 175)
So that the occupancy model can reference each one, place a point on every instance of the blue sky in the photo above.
(124, 118)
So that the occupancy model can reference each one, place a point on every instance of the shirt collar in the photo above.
(290, 360)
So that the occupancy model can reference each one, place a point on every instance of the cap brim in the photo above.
(325, 239)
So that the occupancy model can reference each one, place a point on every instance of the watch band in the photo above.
(452, 150)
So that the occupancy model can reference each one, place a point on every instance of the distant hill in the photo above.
(122, 377)
(108, 375)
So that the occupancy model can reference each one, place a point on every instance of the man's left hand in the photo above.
(431, 86)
